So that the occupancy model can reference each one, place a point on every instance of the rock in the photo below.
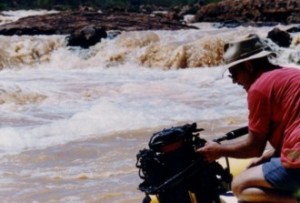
(86, 37)
(280, 37)
(68, 22)
(228, 24)
(294, 29)
(111, 34)
(280, 11)
(293, 18)
(229, 13)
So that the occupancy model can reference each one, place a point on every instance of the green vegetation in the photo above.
(74, 4)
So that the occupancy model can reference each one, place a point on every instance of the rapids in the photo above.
(73, 120)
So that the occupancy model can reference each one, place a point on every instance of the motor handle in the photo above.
(233, 134)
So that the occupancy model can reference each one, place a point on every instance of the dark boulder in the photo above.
(86, 37)
(280, 37)
(111, 34)
(228, 24)
(294, 29)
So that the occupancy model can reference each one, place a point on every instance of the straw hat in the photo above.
(248, 49)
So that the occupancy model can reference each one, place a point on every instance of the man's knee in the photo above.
(237, 186)
(252, 177)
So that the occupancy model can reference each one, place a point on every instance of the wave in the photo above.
(18, 51)
(153, 49)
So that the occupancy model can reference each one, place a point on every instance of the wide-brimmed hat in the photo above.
(244, 50)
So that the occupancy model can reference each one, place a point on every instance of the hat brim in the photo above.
(255, 56)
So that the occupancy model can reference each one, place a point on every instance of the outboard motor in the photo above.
(173, 172)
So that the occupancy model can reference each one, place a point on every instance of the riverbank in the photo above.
(225, 13)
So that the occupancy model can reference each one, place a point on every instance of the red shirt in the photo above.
(274, 109)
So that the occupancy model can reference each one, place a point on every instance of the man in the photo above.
(274, 117)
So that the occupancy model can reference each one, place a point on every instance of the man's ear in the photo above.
(248, 66)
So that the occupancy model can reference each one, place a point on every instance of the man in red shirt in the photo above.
(274, 117)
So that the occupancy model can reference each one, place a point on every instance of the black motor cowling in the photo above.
(172, 171)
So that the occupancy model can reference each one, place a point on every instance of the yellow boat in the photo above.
(236, 167)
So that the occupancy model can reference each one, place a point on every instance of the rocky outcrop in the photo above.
(69, 22)
(251, 11)
(86, 37)
(229, 13)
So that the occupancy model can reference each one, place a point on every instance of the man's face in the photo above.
(241, 75)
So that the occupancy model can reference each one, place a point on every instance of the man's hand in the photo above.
(262, 159)
(211, 151)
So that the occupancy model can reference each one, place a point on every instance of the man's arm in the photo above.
(252, 146)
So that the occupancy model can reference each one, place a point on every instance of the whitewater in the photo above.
(72, 120)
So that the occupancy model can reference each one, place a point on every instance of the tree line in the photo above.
(75, 4)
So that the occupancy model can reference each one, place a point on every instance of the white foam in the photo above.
(74, 94)
(95, 102)
(11, 16)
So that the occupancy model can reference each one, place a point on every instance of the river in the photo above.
(73, 120)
